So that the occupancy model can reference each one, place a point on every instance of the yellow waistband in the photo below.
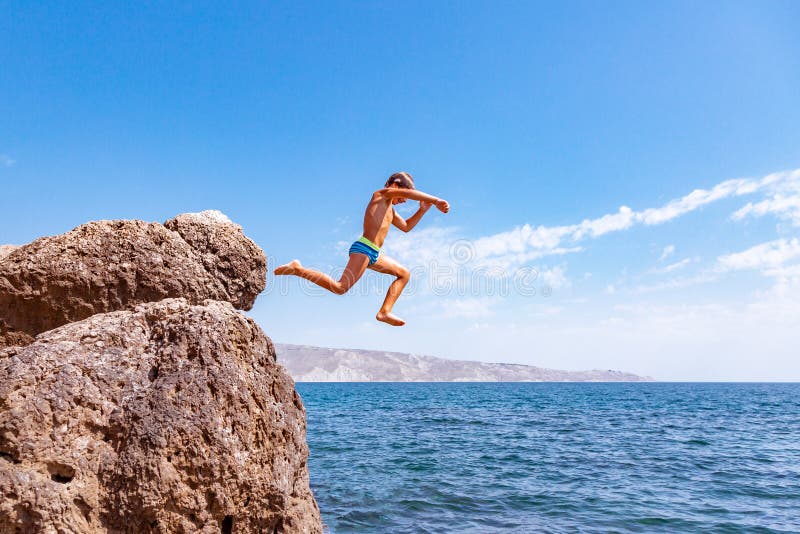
(369, 243)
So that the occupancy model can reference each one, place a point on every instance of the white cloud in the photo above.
(614, 222)
(673, 266)
(782, 206)
(421, 247)
(555, 277)
(783, 201)
(521, 239)
(503, 265)
(789, 273)
(668, 251)
(766, 255)
(697, 199)
(6, 161)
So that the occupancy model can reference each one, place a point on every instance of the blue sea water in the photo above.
(566, 457)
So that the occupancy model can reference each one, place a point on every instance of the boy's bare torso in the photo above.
(378, 218)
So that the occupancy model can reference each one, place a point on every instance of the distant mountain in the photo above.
(318, 364)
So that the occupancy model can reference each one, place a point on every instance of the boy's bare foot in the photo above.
(390, 318)
(290, 268)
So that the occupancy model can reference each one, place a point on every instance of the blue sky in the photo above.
(551, 128)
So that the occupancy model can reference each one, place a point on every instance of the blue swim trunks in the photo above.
(367, 248)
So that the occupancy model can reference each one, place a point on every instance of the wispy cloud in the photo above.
(702, 197)
(673, 266)
(6, 161)
(783, 201)
(785, 207)
(766, 255)
(770, 258)
(668, 251)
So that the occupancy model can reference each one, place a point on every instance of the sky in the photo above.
(623, 178)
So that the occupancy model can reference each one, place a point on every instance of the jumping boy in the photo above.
(366, 251)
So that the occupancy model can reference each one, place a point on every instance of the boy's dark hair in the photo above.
(401, 179)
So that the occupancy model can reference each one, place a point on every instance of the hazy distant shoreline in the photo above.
(320, 364)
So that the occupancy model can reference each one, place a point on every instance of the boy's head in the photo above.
(402, 180)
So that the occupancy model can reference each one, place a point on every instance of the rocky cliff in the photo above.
(318, 364)
(169, 415)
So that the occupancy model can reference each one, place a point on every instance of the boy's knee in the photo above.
(404, 274)
(341, 289)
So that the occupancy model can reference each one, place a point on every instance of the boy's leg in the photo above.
(354, 270)
(387, 265)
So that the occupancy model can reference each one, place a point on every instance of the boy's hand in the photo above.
(442, 205)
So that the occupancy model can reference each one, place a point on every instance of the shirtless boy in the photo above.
(366, 251)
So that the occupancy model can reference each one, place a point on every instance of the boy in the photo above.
(365, 252)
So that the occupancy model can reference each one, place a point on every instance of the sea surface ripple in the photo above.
(556, 457)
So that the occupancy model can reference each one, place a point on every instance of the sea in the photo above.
(555, 457)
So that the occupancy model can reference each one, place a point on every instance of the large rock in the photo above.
(172, 417)
(105, 266)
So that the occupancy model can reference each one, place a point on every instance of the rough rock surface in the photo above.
(238, 263)
(172, 417)
(105, 266)
(11, 337)
(5, 250)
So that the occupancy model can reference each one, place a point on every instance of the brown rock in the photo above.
(172, 417)
(105, 266)
(226, 253)
(9, 338)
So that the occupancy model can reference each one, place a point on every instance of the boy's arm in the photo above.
(413, 194)
(407, 224)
